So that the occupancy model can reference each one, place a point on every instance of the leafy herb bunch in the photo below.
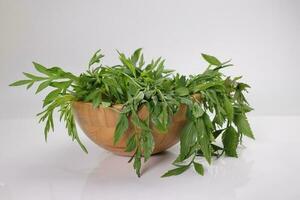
(216, 105)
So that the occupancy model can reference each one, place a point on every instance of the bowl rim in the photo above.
(120, 106)
(117, 106)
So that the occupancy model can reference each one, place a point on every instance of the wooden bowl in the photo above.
(99, 125)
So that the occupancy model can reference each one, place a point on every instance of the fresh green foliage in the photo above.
(216, 105)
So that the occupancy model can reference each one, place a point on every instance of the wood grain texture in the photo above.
(99, 125)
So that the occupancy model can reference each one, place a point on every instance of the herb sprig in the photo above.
(216, 105)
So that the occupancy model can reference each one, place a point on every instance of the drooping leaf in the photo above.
(187, 139)
(131, 144)
(230, 141)
(176, 171)
(138, 122)
(136, 84)
(199, 168)
(122, 126)
(241, 121)
(137, 164)
(203, 138)
(147, 144)
(229, 109)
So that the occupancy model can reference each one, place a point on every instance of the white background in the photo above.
(261, 37)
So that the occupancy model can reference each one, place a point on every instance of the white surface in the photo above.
(268, 168)
(262, 38)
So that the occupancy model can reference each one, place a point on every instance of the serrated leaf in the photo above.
(121, 127)
(187, 139)
(199, 168)
(147, 144)
(176, 171)
(241, 121)
(228, 109)
(138, 122)
(230, 141)
(203, 138)
(131, 144)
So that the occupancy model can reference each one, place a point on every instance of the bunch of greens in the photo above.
(216, 105)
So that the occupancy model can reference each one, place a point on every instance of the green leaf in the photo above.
(40, 68)
(96, 101)
(211, 60)
(30, 85)
(240, 120)
(137, 162)
(182, 91)
(136, 55)
(229, 109)
(42, 86)
(230, 141)
(197, 110)
(34, 77)
(139, 97)
(138, 122)
(63, 85)
(199, 168)
(127, 63)
(176, 171)
(92, 95)
(136, 84)
(142, 61)
(20, 82)
(203, 138)
(96, 58)
(147, 144)
(105, 104)
(187, 139)
(122, 126)
(131, 144)
(51, 97)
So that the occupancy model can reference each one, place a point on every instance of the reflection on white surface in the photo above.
(219, 181)
(31, 169)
